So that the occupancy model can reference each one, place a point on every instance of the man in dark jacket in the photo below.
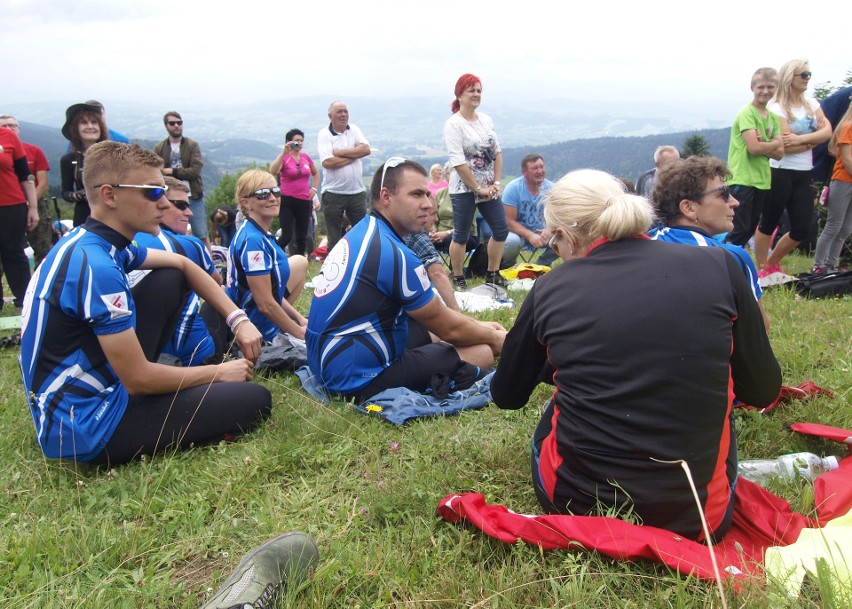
(182, 159)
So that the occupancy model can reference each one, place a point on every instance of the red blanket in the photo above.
(761, 520)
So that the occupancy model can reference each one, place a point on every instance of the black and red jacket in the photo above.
(648, 344)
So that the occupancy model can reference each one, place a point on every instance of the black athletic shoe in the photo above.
(459, 284)
(496, 278)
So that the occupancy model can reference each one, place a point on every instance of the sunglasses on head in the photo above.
(263, 193)
(181, 205)
(552, 241)
(805, 75)
(174, 123)
(394, 161)
(152, 193)
(724, 191)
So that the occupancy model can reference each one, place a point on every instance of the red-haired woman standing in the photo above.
(477, 158)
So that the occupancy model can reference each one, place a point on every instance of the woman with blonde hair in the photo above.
(838, 224)
(803, 126)
(646, 342)
(261, 279)
(436, 179)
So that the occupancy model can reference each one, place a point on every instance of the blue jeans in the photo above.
(464, 208)
(198, 220)
(514, 244)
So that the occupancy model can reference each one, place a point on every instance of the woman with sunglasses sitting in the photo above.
(261, 279)
(803, 126)
(299, 180)
(646, 343)
(695, 204)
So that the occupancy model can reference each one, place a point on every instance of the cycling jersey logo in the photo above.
(333, 269)
(424, 277)
(116, 304)
(256, 261)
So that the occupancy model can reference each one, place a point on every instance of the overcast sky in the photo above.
(175, 52)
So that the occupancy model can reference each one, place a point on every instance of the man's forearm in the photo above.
(358, 152)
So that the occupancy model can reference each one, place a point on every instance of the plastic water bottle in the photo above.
(788, 467)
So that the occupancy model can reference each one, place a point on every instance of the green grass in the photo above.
(162, 532)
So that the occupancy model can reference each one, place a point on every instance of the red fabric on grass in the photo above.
(761, 520)
(808, 389)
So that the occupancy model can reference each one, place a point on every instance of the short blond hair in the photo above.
(249, 182)
(770, 74)
(108, 162)
(589, 204)
(175, 184)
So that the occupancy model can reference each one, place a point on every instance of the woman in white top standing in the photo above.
(803, 126)
(476, 155)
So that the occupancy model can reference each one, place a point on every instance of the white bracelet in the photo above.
(237, 323)
(233, 315)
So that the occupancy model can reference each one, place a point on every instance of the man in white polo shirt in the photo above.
(341, 147)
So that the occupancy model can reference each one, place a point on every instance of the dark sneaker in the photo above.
(496, 278)
(260, 578)
(823, 270)
(459, 284)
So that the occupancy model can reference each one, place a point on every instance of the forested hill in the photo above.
(625, 157)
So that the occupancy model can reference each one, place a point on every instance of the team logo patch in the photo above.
(333, 269)
(116, 304)
(256, 261)
(423, 276)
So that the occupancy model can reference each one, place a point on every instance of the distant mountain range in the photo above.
(569, 133)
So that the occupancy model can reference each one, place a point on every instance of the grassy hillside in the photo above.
(163, 532)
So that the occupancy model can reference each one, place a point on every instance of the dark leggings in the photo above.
(198, 415)
(191, 417)
(13, 240)
(294, 213)
(422, 366)
(791, 190)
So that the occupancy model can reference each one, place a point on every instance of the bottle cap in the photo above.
(830, 463)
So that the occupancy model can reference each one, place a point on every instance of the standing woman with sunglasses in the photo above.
(261, 279)
(803, 126)
(476, 155)
(614, 434)
(84, 126)
(299, 180)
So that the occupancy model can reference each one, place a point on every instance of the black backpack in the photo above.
(477, 264)
(824, 285)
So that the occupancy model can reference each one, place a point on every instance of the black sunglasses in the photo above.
(805, 75)
(152, 193)
(263, 193)
(181, 205)
(173, 123)
(724, 191)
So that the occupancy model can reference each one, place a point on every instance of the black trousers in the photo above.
(190, 417)
(13, 241)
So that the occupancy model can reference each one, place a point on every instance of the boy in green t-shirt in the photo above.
(755, 138)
